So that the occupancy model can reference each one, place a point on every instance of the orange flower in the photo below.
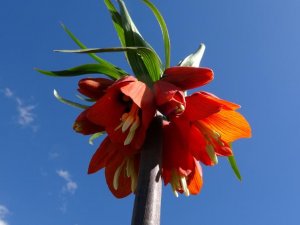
(200, 127)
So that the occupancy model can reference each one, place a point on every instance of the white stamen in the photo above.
(212, 154)
(184, 186)
(127, 123)
(129, 138)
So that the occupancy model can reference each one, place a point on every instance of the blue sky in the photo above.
(253, 48)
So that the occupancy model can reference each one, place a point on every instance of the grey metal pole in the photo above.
(147, 204)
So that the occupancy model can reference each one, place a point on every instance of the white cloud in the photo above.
(25, 117)
(7, 92)
(70, 185)
(3, 213)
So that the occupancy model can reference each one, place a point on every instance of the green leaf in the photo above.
(82, 46)
(149, 58)
(164, 30)
(134, 39)
(234, 166)
(95, 136)
(194, 59)
(68, 102)
(117, 21)
(112, 72)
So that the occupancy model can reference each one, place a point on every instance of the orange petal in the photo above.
(225, 104)
(195, 181)
(231, 125)
(138, 92)
(188, 77)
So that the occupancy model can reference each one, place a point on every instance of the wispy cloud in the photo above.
(70, 186)
(25, 117)
(7, 92)
(3, 213)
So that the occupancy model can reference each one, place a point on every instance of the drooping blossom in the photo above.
(124, 109)
(201, 127)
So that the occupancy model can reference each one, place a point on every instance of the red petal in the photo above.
(83, 125)
(197, 146)
(168, 97)
(188, 77)
(199, 106)
(94, 87)
(124, 188)
(107, 111)
(175, 151)
(138, 92)
(102, 156)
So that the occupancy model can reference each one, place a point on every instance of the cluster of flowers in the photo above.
(196, 128)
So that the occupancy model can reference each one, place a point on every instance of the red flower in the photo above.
(121, 168)
(125, 111)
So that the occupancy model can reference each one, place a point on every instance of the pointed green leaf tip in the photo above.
(164, 30)
(95, 136)
(234, 166)
(193, 59)
(130, 37)
(101, 61)
(68, 102)
(112, 72)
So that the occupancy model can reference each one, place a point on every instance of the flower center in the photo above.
(130, 121)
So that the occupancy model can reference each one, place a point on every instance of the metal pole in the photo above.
(147, 202)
